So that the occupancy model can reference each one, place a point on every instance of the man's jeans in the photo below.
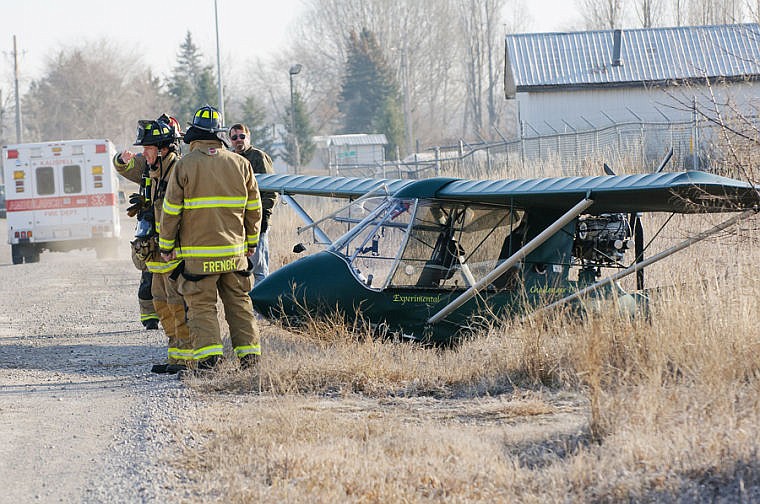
(260, 259)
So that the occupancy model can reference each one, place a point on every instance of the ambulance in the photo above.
(61, 196)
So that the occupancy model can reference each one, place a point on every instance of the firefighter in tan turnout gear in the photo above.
(211, 219)
(160, 142)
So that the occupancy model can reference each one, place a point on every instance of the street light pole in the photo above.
(294, 70)
(219, 66)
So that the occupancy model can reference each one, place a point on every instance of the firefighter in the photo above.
(210, 221)
(160, 142)
(148, 315)
(261, 163)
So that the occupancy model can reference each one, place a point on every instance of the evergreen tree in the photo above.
(369, 98)
(254, 116)
(191, 84)
(303, 133)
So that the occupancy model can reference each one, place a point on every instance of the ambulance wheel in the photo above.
(33, 255)
(17, 254)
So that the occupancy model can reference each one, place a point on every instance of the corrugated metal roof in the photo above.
(648, 55)
(358, 139)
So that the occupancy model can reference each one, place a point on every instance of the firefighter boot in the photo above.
(250, 362)
(167, 322)
(181, 346)
(202, 367)
(148, 315)
(175, 368)
(151, 324)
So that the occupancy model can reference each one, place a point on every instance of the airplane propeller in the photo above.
(638, 246)
(637, 228)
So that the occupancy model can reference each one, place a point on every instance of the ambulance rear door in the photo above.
(61, 201)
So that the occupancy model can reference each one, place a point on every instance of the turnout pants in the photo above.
(171, 311)
(200, 294)
(147, 310)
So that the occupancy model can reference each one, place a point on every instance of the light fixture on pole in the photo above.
(294, 70)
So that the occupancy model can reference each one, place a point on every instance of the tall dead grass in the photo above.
(662, 407)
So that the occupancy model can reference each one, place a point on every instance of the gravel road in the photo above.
(81, 417)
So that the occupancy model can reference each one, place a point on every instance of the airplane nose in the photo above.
(315, 279)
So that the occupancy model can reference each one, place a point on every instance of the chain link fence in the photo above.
(640, 146)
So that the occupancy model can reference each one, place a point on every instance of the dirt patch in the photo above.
(74, 380)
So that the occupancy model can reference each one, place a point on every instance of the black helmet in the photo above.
(158, 133)
(173, 122)
(207, 118)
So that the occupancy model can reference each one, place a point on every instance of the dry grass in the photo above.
(551, 408)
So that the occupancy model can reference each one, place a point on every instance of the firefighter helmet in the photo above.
(207, 118)
(173, 122)
(158, 133)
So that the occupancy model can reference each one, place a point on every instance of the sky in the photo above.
(154, 29)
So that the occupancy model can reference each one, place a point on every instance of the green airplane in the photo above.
(432, 259)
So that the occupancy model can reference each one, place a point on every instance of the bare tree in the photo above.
(707, 12)
(650, 13)
(418, 42)
(480, 22)
(91, 91)
(448, 62)
(601, 14)
(679, 10)
(753, 10)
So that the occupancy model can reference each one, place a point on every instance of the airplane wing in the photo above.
(682, 192)
(334, 187)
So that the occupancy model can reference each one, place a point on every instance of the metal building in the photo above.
(346, 153)
(579, 81)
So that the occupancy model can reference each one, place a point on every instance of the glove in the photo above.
(264, 226)
(139, 203)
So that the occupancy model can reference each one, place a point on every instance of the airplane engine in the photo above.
(601, 240)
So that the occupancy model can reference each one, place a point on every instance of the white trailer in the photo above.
(61, 196)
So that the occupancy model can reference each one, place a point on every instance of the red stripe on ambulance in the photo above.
(90, 200)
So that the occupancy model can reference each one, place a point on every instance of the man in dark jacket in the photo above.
(240, 137)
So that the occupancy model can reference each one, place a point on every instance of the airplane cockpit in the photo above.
(429, 244)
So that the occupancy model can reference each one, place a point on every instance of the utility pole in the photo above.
(18, 101)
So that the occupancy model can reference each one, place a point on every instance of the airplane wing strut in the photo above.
(304, 215)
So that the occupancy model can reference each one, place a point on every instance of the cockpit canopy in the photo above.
(428, 244)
